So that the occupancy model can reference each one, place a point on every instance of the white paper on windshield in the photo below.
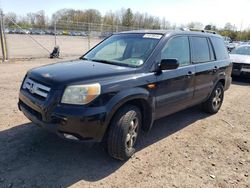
(152, 36)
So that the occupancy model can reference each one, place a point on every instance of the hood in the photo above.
(237, 58)
(61, 74)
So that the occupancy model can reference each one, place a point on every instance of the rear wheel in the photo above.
(214, 102)
(123, 133)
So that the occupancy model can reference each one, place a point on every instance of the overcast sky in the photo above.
(216, 12)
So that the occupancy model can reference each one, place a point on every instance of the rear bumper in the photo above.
(85, 124)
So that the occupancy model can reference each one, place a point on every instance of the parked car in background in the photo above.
(65, 32)
(37, 32)
(231, 46)
(26, 31)
(105, 34)
(229, 43)
(240, 58)
(227, 40)
(11, 31)
(7, 31)
(74, 33)
(122, 85)
(34, 31)
(49, 32)
(83, 34)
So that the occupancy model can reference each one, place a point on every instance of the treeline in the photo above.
(126, 18)
(123, 17)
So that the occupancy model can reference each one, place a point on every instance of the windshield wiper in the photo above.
(110, 62)
(83, 58)
(103, 61)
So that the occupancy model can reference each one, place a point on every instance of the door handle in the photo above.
(190, 73)
(215, 69)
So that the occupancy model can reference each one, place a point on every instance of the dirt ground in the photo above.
(187, 149)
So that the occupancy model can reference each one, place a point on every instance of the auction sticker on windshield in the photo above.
(152, 36)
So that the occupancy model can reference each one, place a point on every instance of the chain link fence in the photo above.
(73, 38)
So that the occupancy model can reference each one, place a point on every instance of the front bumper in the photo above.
(84, 124)
(240, 69)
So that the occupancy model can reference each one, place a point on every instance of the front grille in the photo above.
(246, 66)
(37, 89)
(237, 66)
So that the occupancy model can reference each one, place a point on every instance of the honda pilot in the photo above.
(122, 85)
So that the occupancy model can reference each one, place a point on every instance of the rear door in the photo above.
(175, 88)
(203, 58)
(222, 62)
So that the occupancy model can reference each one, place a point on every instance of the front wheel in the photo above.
(214, 102)
(123, 132)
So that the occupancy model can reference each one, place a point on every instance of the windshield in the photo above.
(243, 50)
(125, 49)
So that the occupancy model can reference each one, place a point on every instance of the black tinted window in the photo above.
(219, 48)
(200, 49)
(177, 48)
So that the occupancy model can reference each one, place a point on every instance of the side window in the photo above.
(200, 49)
(177, 48)
(219, 48)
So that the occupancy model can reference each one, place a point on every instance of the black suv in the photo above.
(126, 82)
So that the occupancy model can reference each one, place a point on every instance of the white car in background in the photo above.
(240, 57)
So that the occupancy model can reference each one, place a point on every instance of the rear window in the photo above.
(219, 48)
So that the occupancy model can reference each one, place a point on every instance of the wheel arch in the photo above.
(140, 98)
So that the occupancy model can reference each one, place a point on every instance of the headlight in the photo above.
(81, 94)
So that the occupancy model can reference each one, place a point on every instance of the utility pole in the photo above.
(55, 31)
(241, 29)
(89, 28)
(3, 38)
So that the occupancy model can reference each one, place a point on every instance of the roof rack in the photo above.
(203, 30)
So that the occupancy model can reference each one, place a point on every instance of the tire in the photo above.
(123, 133)
(214, 102)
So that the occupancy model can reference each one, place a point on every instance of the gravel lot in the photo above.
(187, 149)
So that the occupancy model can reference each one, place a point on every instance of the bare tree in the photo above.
(165, 24)
(229, 27)
(32, 18)
(9, 18)
(195, 25)
(40, 19)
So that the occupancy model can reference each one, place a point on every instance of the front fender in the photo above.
(125, 96)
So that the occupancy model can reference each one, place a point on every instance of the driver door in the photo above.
(175, 88)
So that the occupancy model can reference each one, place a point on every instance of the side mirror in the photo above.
(169, 64)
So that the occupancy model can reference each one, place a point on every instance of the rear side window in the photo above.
(200, 49)
(219, 48)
